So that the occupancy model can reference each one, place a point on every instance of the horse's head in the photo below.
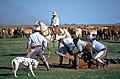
(42, 26)
(88, 48)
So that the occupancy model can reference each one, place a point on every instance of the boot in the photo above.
(70, 62)
(61, 60)
(46, 65)
(76, 62)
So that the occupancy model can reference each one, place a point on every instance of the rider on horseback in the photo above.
(54, 24)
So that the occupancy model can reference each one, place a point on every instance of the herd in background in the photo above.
(15, 32)
(109, 32)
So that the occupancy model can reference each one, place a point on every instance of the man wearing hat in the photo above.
(55, 23)
(81, 46)
(36, 45)
(66, 45)
(99, 48)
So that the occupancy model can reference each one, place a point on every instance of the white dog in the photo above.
(28, 62)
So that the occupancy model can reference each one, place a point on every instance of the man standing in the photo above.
(36, 45)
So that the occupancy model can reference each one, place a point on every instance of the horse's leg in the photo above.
(48, 48)
(54, 42)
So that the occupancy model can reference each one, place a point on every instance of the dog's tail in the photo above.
(13, 64)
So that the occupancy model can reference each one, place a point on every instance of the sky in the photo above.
(26, 12)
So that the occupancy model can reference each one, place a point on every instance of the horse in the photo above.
(78, 32)
(7, 32)
(47, 33)
(26, 31)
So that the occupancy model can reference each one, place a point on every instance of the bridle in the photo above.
(44, 31)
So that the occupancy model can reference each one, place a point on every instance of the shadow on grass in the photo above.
(5, 74)
(111, 41)
(61, 66)
(8, 68)
(118, 52)
(54, 66)
(14, 55)
(114, 41)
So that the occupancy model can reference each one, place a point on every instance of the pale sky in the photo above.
(26, 12)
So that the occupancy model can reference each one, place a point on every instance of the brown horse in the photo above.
(7, 32)
(47, 33)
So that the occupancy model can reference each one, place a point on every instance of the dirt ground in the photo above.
(54, 65)
(67, 67)
(113, 67)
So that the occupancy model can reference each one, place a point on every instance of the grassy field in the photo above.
(10, 48)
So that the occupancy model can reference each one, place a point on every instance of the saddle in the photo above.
(55, 30)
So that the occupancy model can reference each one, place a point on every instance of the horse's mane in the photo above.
(43, 26)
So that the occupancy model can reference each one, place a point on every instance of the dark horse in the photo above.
(87, 57)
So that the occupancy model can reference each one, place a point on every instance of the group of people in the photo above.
(37, 43)
(68, 44)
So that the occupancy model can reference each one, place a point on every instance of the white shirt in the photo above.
(69, 43)
(55, 21)
(37, 39)
(97, 45)
(81, 45)
(68, 40)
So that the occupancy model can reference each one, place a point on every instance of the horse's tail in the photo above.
(67, 33)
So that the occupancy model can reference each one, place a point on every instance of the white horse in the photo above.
(78, 32)
(47, 33)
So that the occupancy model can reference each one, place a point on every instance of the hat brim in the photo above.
(54, 14)
(37, 22)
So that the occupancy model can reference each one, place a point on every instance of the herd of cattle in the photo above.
(15, 32)
(110, 32)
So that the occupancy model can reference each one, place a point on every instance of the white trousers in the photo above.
(99, 57)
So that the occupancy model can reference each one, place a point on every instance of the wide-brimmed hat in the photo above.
(36, 28)
(54, 13)
(37, 22)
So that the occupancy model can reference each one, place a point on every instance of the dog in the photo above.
(28, 62)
